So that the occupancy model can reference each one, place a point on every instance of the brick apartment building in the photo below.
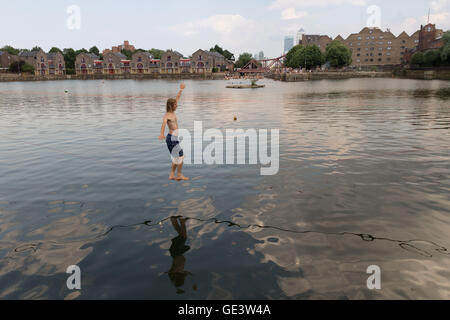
(6, 59)
(88, 63)
(170, 62)
(371, 46)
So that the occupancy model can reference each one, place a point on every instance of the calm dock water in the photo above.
(364, 180)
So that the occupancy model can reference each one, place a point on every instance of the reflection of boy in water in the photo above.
(177, 274)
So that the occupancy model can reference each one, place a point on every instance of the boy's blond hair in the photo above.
(171, 105)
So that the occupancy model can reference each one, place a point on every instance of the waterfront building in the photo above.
(6, 59)
(170, 62)
(430, 37)
(319, 40)
(219, 61)
(113, 63)
(202, 61)
(374, 47)
(38, 59)
(185, 65)
(88, 63)
(141, 62)
(56, 64)
(371, 46)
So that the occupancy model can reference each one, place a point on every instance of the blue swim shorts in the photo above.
(173, 144)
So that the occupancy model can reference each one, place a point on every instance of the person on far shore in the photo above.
(173, 143)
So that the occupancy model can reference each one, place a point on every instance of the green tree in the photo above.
(127, 53)
(94, 50)
(338, 55)
(227, 54)
(432, 58)
(445, 50)
(243, 59)
(10, 50)
(445, 54)
(69, 57)
(55, 50)
(312, 57)
(446, 38)
(156, 53)
(289, 60)
(418, 59)
(81, 51)
(36, 48)
(21, 66)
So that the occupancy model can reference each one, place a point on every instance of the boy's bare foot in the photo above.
(182, 178)
(172, 177)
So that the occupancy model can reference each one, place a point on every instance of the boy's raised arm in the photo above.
(182, 86)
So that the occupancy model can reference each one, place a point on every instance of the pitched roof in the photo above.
(145, 53)
(120, 55)
(175, 52)
(52, 55)
(216, 54)
(28, 53)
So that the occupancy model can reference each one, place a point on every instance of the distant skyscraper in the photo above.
(255, 56)
(300, 34)
(261, 55)
(288, 43)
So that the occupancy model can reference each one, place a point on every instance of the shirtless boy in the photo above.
(173, 143)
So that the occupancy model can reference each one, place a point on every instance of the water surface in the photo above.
(364, 180)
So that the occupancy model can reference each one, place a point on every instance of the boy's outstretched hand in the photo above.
(182, 86)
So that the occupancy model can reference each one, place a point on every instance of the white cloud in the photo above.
(439, 5)
(233, 32)
(223, 24)
(292, 13)
(279, 4)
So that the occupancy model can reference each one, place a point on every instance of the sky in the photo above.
(236, 25)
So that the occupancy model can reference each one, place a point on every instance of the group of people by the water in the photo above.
(247, 77)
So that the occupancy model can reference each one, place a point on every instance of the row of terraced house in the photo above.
(44, 63)
(171, 62)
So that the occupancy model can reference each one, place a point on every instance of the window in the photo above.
(359, 49)
(379, 60)
(380, 49)
(380, 54)
(359, 38)
(372, 49)
(389, 48)
(358, 55)
(359, 60)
